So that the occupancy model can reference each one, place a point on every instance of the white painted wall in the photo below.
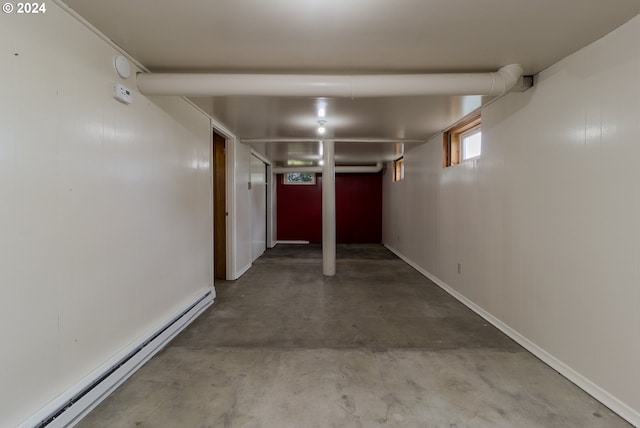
(243, 241)
(272, 203)
(258, 207)
(545, 223)
(105, 219)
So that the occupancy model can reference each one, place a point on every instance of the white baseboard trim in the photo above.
(613, 403)
(243, 271)
(293, 242)
(75, 403)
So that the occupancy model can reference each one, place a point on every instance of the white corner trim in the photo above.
(260, 156)
(106, 378)
(94, 30)
(591, 388)
(64, 7)
(230, 202)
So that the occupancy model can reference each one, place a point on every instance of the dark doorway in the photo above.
(219, 207)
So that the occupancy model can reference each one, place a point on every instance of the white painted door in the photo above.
(258, 207)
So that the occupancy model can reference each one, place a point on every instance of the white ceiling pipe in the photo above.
(339, 169)
(286, 169)
(359, 168)
(337, 140)
(356, 86)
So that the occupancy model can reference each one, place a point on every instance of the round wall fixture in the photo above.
(122, 66)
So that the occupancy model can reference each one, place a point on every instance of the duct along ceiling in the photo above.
(347, 38)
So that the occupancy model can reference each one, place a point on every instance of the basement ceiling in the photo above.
(348, 37)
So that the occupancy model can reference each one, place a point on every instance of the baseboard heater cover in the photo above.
(81, 403)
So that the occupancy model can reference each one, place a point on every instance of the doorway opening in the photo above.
(219, 207)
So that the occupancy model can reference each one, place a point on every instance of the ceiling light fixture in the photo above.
(321, 107)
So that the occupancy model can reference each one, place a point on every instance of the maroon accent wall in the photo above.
(358, 209)
(299, 211)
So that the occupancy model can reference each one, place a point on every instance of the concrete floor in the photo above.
(378, 345)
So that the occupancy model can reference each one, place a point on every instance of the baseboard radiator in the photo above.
(73, 405)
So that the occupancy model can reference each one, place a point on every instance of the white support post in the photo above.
(328, 209)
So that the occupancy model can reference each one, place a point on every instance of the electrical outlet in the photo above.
(459, 267)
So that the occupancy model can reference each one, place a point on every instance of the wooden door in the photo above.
(219, 207)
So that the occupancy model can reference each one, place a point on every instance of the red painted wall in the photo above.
(358, 209)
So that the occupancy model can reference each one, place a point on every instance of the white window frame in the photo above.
(285, 179)
(475, 130)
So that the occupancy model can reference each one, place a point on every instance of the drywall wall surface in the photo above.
(105, 212)
(545, 224)
(258, 207)
(242, 208)
(272, 207)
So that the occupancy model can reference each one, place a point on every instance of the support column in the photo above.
(328, 209)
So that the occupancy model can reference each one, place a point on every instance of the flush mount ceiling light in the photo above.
(321, 107)
(321, 128)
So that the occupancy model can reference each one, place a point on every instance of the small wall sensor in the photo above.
(122, 66)
(122, 93)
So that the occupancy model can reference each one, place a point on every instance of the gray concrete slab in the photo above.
(378, 345)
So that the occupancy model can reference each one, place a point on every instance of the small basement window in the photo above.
(299, 178)
(463, 141)
(398, 169)
(471, 144)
